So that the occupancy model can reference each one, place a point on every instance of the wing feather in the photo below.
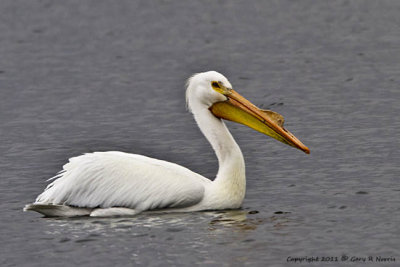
(117, 179)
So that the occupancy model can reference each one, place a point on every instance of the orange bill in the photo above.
(240, 110)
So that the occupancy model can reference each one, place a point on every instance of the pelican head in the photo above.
(200, 93)
(213, 92)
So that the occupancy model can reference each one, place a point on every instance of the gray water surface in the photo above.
(84, 76)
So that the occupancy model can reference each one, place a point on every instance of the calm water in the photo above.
(90, 76)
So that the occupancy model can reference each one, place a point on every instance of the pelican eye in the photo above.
(215, 84)
(219, 87)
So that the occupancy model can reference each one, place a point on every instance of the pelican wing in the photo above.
(117, 179)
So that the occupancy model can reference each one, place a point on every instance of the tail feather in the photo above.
(50, 210)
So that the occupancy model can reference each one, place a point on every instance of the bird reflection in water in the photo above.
(243, 220)
(85, 229)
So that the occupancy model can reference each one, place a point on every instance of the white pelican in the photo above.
(121, 184)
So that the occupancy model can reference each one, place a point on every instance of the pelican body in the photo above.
(122, 184)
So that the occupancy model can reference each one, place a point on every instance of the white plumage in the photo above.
(117, 179)
(116, 183)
